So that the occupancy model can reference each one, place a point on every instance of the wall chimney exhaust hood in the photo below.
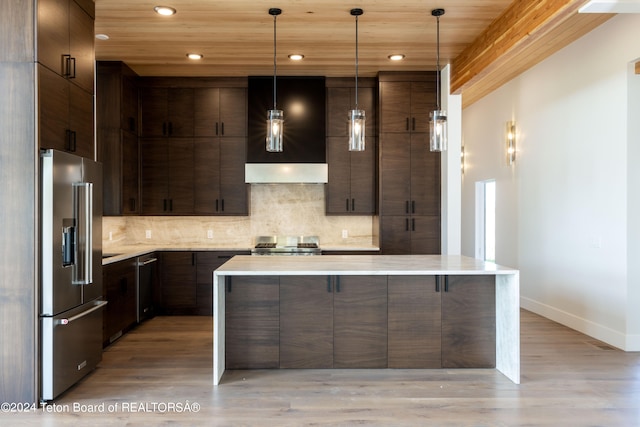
(303, 158)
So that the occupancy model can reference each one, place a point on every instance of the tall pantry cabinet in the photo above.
(409, 174)
(42, 104)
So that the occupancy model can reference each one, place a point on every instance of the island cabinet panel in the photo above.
(333, 321)
(360, 322)
(306, 322)
(469, 322)
(252, 322)
(414, 333)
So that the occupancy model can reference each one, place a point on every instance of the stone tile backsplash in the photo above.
(284, 209)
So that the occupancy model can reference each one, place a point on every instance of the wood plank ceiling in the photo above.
(488, 42)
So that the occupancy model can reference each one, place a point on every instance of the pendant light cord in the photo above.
(438, 63)
(274, 61)
(356, 62)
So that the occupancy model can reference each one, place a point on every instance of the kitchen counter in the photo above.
(119, 253)
(507, 293)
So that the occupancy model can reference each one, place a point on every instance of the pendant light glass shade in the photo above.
(438, 117)
(357, 119)
(275, 123)
(357, 123)
(438, 130)
(275, 117)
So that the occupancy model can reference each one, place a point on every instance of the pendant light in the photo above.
(438, 117)
(356, 116)
(275, 117)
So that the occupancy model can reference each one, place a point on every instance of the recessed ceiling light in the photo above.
(396, 57)
(195, 56)
(296, 57)
(164, 10)
(102, 37)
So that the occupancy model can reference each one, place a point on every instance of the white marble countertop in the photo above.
(113, 254)
(359, 265)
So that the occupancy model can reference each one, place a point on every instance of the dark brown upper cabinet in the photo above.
(167, 112)
(220, 112)
(66, 39)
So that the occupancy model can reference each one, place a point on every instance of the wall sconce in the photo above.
(462, 160)
(511, 142)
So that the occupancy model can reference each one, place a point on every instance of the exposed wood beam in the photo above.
(527, 32)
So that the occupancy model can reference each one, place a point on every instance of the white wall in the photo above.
(561, 210)
(633, 216)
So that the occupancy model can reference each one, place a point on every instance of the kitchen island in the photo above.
(384, 274)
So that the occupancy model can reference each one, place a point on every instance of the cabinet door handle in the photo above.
(406, 224)
(170, 128)
(132, 124)
(413, 206)
(229, 284)
(407, 126)
(406, 207)
(66, 65)
(329, 284)
(222, 128)
(216, 128)
(413, 224)
(132, 204)
(446, 283)
(222, 204)
(164, 205)
(437, 283)
(193, 258)
(164, 128)
(353, 205)
(413, 123)
(216, 205)
(72, 73)
(170, 205)
(347, 204)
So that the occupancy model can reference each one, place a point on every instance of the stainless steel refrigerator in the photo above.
(71, 305)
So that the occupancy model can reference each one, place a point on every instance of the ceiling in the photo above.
(236, 36)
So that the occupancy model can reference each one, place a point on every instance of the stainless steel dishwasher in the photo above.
(145, 280)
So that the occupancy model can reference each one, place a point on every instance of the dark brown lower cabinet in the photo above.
(333, 321)
(469, 322)
(206, 263)
(414, 334)
(442, 322)
(252, 312)
(119, 282)
(178, 282)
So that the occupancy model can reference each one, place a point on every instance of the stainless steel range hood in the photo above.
(286, 173)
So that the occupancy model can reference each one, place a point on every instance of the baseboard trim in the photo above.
(587, 327)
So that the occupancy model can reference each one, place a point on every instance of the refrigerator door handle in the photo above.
(84, 208)
(98, 306)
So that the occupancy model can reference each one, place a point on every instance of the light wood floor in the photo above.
(568, 379)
